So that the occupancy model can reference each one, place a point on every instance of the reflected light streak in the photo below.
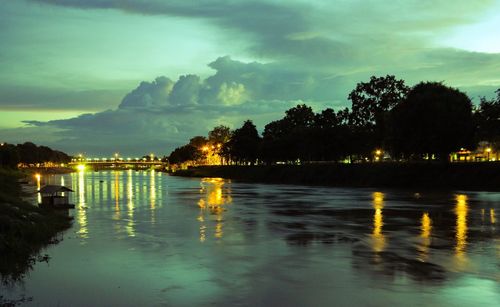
(62, 184)
(116, 191)
(425, 235)
(82, 213)
(212, 202)
(492, 216)
(152, 195)
(130, 205)
(378, 237)
(38, 186)
(461, 209)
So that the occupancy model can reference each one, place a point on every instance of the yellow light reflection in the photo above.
(38, 186)
(425, 235)
(116, 192)
(152, 195)
(130, 205)
(212, 202)
(82, 213)
(62, 184)
(492, 216)
(461, 209)
(379, 241)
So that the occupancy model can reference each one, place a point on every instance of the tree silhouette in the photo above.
(371, 102)
(433, 120)
(487, 121)
(245, 144)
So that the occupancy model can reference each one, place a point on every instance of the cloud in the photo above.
(300, 51)
(162, 114)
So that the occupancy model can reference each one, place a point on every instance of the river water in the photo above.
(147, 239)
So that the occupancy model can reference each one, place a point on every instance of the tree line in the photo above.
(28, 153)
(387, 118)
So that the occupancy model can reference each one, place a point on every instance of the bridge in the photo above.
(98, 164)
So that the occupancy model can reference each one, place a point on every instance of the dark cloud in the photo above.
(309, 51)
(27, 97)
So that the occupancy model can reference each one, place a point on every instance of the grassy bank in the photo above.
(24, 228)
(466, 176)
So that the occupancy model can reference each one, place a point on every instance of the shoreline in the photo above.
(480, 176)
(25, 229)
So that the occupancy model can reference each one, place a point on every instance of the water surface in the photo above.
(146, 239)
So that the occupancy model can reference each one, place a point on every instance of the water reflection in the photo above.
(130, 205)
(461, 209)
(378, 237)
(38, 178)
(81, 213)
(425, 235)
(152, 195)
(285, 245)
(212, 203)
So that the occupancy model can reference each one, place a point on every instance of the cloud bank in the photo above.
(301, 51)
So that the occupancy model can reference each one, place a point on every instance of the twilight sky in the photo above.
(140, 76)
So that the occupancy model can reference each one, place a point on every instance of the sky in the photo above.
(140, 76)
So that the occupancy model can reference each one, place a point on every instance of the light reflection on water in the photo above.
(144, 238)
(461, 210)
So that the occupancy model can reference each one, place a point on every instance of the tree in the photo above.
(219, 135)
(184, 153)
(288, 139)
(331, 135)
(9, 155)
(245, 143)
(198, 142)
(487, 121)
(433, 120)
(371, 102)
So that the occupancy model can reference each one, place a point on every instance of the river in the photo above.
(143, 238)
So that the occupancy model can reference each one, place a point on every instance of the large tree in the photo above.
(371, 102)
(185, 153)
(244, 145)
(219, 135)
(487, 121)
(289, 138)
(433, 120)
(372, 99)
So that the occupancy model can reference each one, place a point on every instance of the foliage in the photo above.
(428, 120)
(24, 228)
(487, 121)
(245, 144)
(219, 135)
(11, 155)
(433, 120)
(185, 153)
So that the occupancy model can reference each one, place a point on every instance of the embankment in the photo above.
(465, 176)
(24, 228)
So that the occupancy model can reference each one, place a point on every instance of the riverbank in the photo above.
(24, 228)
(463, 176)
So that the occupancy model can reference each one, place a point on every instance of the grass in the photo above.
(24, 228)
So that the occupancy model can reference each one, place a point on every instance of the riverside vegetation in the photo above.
(24, 228)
